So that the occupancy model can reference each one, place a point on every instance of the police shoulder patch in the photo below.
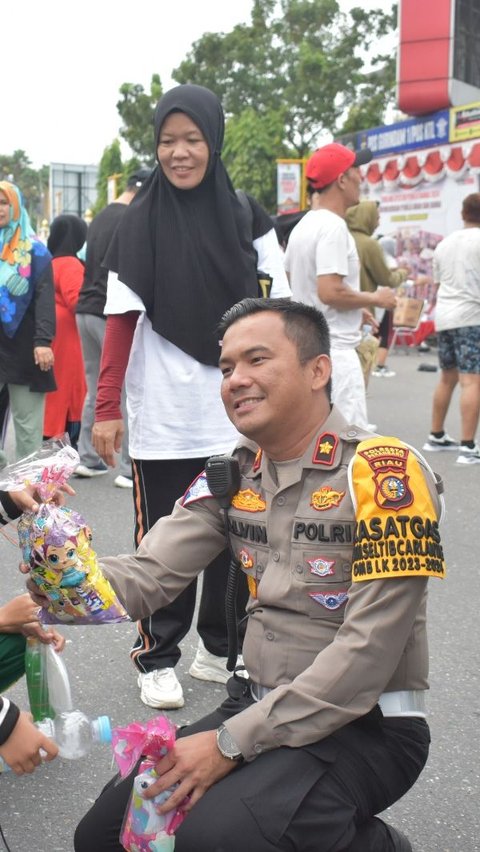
(397, 521)
(198, 490)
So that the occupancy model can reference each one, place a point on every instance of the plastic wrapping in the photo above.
(143, 829)
(56, 543)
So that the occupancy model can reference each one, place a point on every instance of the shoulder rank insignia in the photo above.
(330, 600)
(326, 445)
(325, 498)
(249, 501)
(321, 567)
(198, 490)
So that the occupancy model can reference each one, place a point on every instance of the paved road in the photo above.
(441, 814)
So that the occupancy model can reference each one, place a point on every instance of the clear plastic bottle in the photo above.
(74, 733)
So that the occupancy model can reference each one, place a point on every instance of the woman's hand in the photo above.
(43, 357)
(107, 436)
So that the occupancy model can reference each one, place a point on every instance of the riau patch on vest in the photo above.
(329, 600)
(397, 531)
(326, 445)
(325, 498)
(249, 501)
(198, 490)
(321, 567)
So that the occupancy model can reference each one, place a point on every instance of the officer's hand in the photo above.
(195, 763)
(107, 436)
(21, 751)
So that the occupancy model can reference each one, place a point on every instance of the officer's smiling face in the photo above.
(266, 391)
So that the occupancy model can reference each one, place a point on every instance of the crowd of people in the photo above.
(180, 357)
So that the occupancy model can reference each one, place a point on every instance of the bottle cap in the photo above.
(103, 729)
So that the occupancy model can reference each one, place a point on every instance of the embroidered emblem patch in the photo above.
(252, 586)
(321, 567)
(198, 490)
(246, 560)
(258, 461)
(331, 600)
(389, 466)
(325, 498)
(249, 501)
(324, 452)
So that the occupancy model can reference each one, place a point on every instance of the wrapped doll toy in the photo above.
(143, 829)
(56, 543)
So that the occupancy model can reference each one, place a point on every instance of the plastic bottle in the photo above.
(47, 681)
(74, 733)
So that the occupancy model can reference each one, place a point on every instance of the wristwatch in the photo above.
(227, 745)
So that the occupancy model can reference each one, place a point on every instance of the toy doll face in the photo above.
(61, 558)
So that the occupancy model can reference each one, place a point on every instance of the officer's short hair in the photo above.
(304, 325)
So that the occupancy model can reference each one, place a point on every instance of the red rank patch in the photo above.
(324, 452)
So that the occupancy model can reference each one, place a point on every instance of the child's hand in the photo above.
(50, 636)
(17, 612)
(26, 746)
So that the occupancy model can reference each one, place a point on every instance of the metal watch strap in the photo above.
(227, 745)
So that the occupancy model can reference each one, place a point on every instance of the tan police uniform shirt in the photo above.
(327, 646)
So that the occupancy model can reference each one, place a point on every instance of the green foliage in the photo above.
(251, 144)
(136, 110)
(33, 184)
(305, 63)
(110, 164)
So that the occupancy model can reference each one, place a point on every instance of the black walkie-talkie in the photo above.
(223, 478)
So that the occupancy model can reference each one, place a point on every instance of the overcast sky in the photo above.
(63, 65)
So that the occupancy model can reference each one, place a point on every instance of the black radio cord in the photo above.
(231, 601)
(7, 847)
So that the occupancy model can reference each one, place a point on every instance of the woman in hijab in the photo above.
(27, 321)
(63, 410)
(186, 249)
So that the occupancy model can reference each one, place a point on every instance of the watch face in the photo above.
(227, 745)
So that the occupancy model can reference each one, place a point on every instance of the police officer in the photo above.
(337, 533)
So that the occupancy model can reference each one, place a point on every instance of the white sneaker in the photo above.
(88, 472)
(435, 445)
(207, 666)
(123, 481)
(161, 689)
(469, 456)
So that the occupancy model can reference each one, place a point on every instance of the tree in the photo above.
(110, 164)
(136, 110)
(32, 184)
(306, 65)
(252, 144)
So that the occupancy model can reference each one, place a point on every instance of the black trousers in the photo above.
(156, 486)
(319, 798)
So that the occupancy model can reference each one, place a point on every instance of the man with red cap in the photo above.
(323, 266)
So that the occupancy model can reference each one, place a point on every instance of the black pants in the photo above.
(319, 798)
(156, 487)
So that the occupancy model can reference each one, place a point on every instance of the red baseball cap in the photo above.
(330, 161)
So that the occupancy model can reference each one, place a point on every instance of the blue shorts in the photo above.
(459, 349)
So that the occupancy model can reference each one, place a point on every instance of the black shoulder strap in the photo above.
(243, 199)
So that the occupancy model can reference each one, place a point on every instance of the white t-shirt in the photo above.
(173, 401)
(321, 244)
(456, 267)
